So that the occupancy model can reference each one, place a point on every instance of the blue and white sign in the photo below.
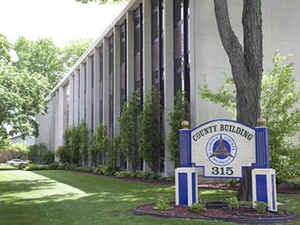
(223, 148)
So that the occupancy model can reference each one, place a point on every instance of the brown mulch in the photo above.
(243, 214)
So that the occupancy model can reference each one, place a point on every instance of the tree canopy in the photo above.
(28, 72)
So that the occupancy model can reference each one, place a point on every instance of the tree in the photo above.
(84, 143)
(72, 51)
(150, 141)
(129, 126)
(280, 93)
(179, 114)
(22, 96)
(246, 66)
(47, 59)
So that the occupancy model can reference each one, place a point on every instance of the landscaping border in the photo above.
(247, 220)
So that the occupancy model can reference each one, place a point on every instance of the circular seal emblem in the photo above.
(221, 149)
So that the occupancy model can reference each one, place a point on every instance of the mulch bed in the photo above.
(245, 214)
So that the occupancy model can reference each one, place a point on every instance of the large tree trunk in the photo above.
(246, 66)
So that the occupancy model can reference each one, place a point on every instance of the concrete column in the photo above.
(117, 84)
(96, 88)
(56, 120)
(71, 99)
(130, 54)
(106, 82)
(169, 78)
(76, 102)
(147, 55)
(81, 89)
(89, 94)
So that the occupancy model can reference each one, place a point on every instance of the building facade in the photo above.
(169, 44)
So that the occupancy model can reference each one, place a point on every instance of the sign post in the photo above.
(222, 148)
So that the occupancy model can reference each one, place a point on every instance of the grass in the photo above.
(4, 166)
(69, 198)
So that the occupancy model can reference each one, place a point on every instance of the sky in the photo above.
(61, 20)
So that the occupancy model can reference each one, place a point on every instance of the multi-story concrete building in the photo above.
(171, 44)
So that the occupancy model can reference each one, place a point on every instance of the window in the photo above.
(138, 52)
(84, 90)
(92, 94)
(181, 47)
(78, 97)
(101, 86)
(123, 69)
(157, 60)
(111, 87)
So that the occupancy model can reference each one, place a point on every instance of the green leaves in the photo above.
(150, 141)
(179, 114)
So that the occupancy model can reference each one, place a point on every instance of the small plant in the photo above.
(162, 204)
(122, 174)
(197, 207)
(53, 166)
(233, 203)
(260, 206)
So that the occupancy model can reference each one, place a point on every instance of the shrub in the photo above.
(162, 204)
(84, 141)
(64, 166)
(22, 166)
(179, 114)
(105, 170)
(154, 176)
(122, 174)
(260, 206)
(47, 157)
(53, 166)
(197, 207)
(36, 152)
(130, 132)
(151, 139)
(64, 154)
(32, 167)
(99, 144)
(233, 203)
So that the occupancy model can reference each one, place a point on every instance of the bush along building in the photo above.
(125, 85)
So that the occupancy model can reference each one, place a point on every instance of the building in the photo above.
(171, 44)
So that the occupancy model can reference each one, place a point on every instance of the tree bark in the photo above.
(246, 66)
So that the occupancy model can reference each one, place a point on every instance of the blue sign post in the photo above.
(222, 148)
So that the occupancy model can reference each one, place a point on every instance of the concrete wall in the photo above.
(209, 62)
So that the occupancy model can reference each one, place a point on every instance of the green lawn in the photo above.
(4, 166)
(69, 198)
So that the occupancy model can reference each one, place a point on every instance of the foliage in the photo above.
(260, 206)
(162, 204)
(122, 174)
(47, 59)
(63, 154)
(22, 98)
(99, 144)
(179, 114)
(105, 170)
(72, 51)
(10, 151)
(75, 142)
(151, 138)
(41, 56)
(84, 142)
(114, 150)
(47, 157)
(32, 167)
(129, 125)
(280, 94)
(197, 207)
(36, 152)
(233, 203)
